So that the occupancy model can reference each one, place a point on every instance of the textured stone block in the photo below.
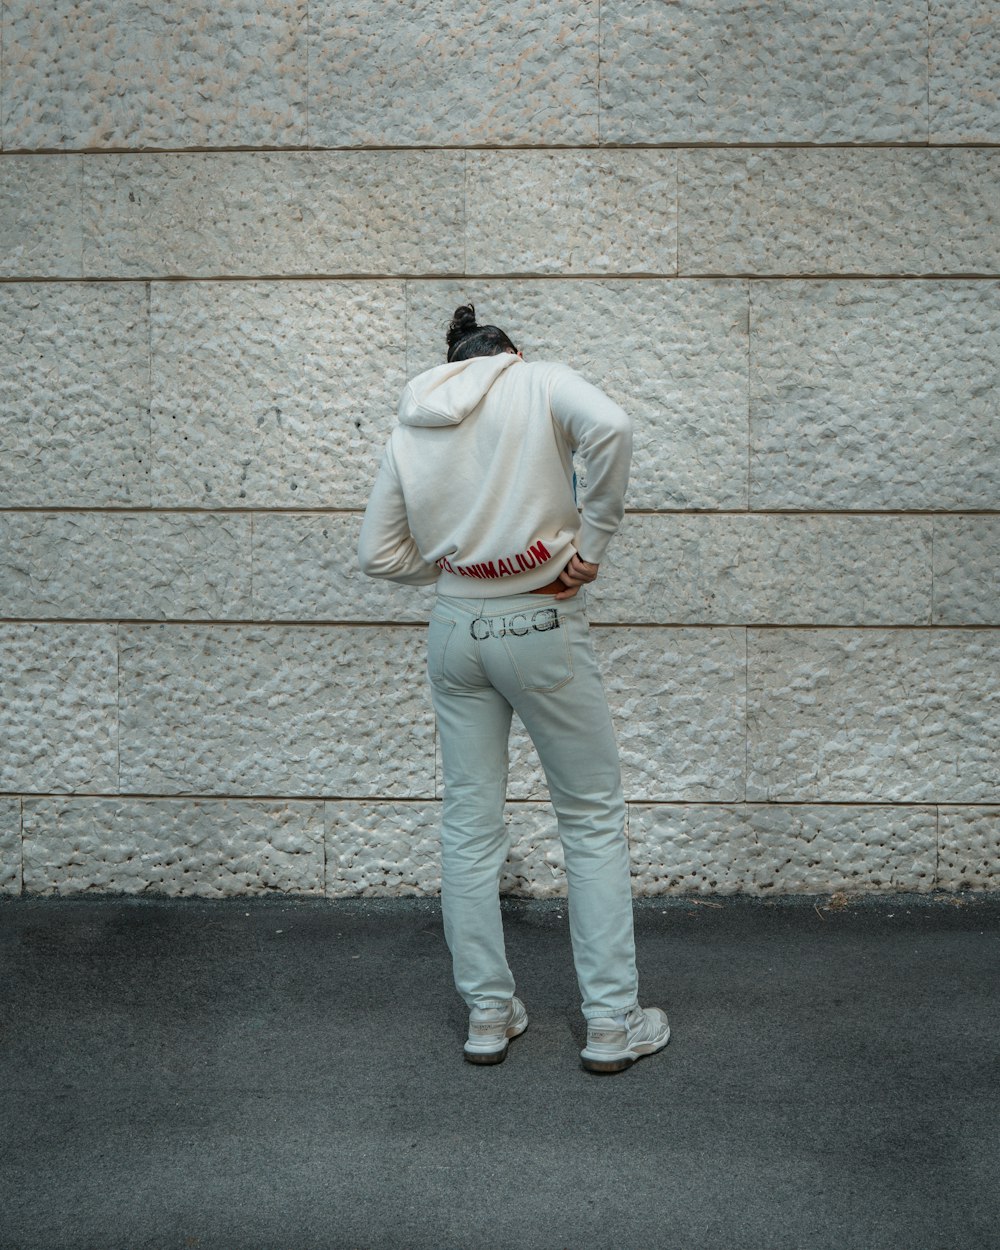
(873, 715)
(535, 866)
(571, 212)
(394, 850)
(430, 72)
(789, 570)
(273, 394)
(967, 570)
(40, 229)
(838, 211)
(875, 394)
(10, 846)
(677, 697)
(383, 849)
(964, 61)
(773, 849)
(803, 72)
(305, 568)
(58, 707)
(74, 394)
(269, 212)
(208, 848)
(958, 201)
(248, 213)
(968, 848)
(100, 564)
(274, 710)
(673, 354)
(148, 75)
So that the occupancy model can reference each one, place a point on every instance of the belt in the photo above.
(551, 589)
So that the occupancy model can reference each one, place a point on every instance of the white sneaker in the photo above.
(613, 1047)
(490, 1028)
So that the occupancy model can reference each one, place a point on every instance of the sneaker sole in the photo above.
(620, 1062)
(485, 1056)
(492, 1056)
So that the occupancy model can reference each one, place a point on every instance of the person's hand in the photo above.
(576, 574)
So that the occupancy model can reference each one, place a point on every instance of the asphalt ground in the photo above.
(287, 1073)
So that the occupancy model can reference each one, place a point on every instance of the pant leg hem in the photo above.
(600, 1013)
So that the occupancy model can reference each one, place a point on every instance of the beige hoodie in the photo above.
(476, 489)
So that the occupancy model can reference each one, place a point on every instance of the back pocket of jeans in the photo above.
(540, 658)
(439, 634)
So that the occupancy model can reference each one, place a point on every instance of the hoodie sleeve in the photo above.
(386, 547)
(600, 431)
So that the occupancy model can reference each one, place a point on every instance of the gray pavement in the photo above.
(287, 1073)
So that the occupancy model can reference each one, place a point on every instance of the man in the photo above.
(476, 494)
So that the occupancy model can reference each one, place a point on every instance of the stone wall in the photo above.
(230, 230)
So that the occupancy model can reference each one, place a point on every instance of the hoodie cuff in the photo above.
(592, 543)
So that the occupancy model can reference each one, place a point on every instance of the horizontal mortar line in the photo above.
(845, 276)
(878, 512)
(167, 510)
(888, 804)
(526, 276)
(798, 512)
(411, 800)
(233, 622)
(682, 145)
(376, 623)
(358, 510)
(201, 797)
(598, 623)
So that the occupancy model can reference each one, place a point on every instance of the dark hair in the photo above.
(466, 339)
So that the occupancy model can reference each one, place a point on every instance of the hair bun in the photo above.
(463, 322)
(467, 338)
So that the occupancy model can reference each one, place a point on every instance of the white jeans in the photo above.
(530, 654)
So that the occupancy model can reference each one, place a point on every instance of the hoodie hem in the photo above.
(470, 587)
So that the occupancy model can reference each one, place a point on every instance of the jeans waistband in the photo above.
(504, 605)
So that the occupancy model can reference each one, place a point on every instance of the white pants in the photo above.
(530, 654)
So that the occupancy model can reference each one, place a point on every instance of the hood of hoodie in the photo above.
(446, 394)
